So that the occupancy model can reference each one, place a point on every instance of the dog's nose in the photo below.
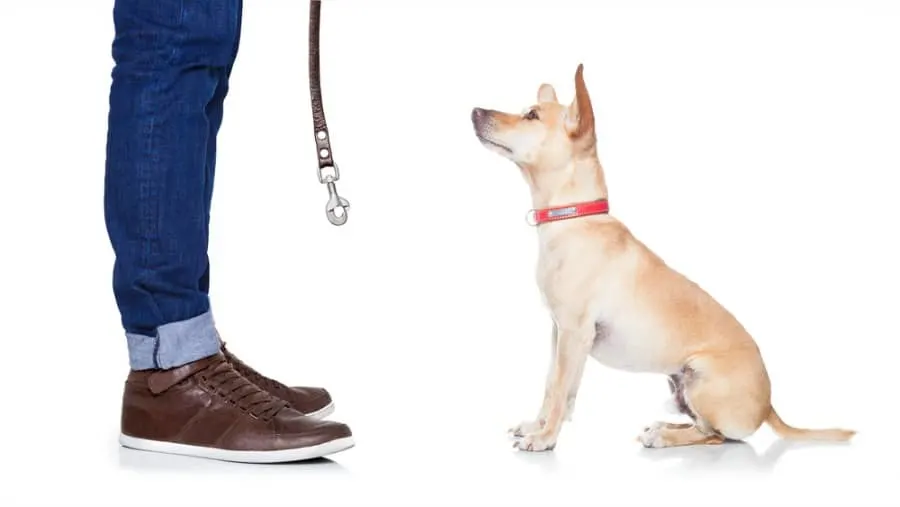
(478, 114)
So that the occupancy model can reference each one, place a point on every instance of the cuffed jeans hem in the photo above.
(175, 344)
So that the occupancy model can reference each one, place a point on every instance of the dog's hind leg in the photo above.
(671, 426)
(675, 435)
(728, 398)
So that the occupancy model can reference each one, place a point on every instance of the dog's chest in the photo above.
(572, 286)
(548, 275)
(556, 273)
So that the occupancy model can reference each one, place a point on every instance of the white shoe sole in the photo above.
(323, 412)
(281, 456)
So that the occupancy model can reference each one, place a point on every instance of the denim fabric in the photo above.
(172, 59)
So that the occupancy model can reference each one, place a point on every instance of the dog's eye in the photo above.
(531, 115)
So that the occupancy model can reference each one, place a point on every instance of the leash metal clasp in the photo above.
(337, 207)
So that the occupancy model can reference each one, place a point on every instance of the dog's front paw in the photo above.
(536, 442)
(527, 428)
(652, 436)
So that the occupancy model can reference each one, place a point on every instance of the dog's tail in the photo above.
(791, 433)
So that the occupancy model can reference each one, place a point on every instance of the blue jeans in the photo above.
(172, 59)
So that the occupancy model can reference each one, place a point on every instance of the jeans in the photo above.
(173, 59)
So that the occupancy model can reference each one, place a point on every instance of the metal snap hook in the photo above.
(334, 203)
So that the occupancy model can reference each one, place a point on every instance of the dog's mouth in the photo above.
(489, 142)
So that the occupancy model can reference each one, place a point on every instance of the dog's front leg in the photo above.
(527, 427)
(572, 349)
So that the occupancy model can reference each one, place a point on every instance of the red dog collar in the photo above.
(542, 216)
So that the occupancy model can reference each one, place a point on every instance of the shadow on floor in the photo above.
(732, 456)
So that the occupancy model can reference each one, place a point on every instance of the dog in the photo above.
(613, 299)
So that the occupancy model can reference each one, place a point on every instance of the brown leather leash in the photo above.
(337, 207)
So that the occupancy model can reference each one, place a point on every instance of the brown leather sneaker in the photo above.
(314, 402)
(207, 409)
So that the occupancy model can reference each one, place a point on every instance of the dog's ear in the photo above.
(546, 93)
(580, 114)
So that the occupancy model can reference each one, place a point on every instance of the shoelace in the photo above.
(225, 381)
(253, 375)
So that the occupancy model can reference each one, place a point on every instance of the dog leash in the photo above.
(336, 208)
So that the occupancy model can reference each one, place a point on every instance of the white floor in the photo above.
(753, 148)
(472, 467)
(443, 451)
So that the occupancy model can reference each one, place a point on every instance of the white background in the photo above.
(755, 149)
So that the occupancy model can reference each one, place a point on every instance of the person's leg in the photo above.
(215, 113)
(183, 395)
(170, 56)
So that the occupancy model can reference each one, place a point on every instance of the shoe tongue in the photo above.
(161, 381)
(243, 368)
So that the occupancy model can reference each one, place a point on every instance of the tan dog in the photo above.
(610, 297)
